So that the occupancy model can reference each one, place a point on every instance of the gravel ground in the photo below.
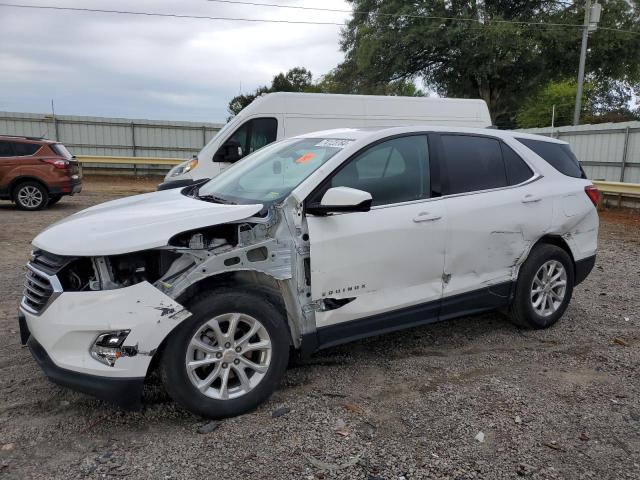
(559, 403)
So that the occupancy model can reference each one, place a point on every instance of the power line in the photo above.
(165, 15)
(418, 16)
(303, 22)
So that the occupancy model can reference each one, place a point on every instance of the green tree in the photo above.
(300, 79)
(297, 79)
(478, 55)
(536, 110)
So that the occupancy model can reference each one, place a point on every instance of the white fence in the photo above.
(608, 151)
(113, 136)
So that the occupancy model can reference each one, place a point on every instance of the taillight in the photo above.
(56, 163)
(593, 194)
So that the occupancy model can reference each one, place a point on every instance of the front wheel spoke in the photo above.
(247, 336)
(224, 390)
(538, 301)
(243, 378)
(555, 295)
(536, 291)
(215, 326)
(261, 345)
(201, 363)
(548, 303)
(253, 366)
(233, 325)
(200, 345)
(204, 384)
(559, 283)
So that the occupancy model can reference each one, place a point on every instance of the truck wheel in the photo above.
(544, 288)
(229, 356)
(30, 195)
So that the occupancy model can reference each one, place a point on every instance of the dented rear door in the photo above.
(490, 224)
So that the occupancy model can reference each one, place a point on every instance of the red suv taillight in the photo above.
(56, 163)
(593, 194)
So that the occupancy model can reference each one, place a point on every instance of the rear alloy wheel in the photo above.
(229, 356)
(548, 288)
(544, 287)
(30, 196)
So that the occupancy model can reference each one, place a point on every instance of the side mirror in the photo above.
(341, 199)
(230, 151)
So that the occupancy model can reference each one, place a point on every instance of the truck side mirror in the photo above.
(230, 152)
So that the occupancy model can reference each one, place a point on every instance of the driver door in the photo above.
(379, 270)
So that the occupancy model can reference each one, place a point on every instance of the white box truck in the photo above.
(275, 116)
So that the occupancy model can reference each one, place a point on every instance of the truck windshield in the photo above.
(271, 173)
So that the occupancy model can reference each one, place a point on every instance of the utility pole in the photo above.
(591, 19)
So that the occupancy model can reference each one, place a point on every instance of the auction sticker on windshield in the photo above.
(334, 142)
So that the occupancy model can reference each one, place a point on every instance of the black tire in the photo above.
(53, 199)
(30, 195)
(205, 307)
(521, 311)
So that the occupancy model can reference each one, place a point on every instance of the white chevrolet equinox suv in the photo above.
(307, 243)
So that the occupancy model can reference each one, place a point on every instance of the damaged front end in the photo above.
(108, 315)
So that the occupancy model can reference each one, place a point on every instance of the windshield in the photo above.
(270, 174)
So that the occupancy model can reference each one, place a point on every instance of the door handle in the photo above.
(426, 217)
(530, 198)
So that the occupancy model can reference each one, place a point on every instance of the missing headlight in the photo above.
(107, 347)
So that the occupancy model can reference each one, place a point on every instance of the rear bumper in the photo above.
(583, 268)
(123, 392)
(66, 188)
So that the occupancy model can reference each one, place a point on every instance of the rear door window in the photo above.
(25, 149)
(473, 163)
(6, 150)
(558, 155)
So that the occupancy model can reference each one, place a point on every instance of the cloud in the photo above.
(160, 68)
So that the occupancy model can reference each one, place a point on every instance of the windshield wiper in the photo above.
(215, 199)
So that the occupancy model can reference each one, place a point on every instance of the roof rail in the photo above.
(22, 136)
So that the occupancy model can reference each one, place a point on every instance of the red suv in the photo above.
(35, 172)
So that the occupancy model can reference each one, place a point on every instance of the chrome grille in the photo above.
(39, 290)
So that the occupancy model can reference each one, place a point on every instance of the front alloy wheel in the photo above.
(229, 356)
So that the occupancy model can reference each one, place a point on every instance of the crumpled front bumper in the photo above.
(61, 336)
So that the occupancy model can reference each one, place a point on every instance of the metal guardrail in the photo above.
(618, 188)
(128, 160)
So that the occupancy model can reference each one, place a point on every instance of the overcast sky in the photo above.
(157, 68)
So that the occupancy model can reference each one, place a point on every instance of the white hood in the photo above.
(135, 223)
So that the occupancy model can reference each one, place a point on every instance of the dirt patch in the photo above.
(558, 403)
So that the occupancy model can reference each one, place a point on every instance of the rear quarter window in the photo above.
(558, 155)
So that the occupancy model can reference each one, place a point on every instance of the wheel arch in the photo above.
(25, 178)
(249, 280)
(558, 241)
